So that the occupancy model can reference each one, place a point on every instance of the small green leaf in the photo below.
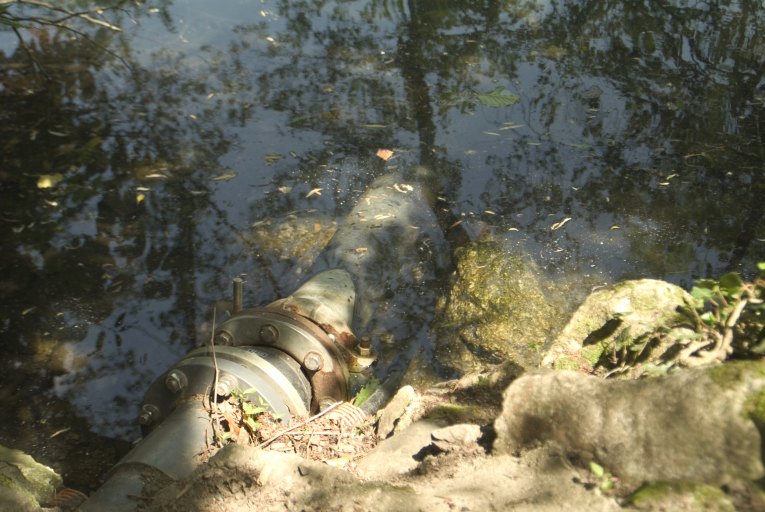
(702, 294)
(499, 97)
(761, 266)
(597, 469)
(607, 485)
(731, 283)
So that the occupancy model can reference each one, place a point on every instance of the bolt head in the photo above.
(148, 415)
(224, 338)
(269, 334)
(175, 381)
(313, 361)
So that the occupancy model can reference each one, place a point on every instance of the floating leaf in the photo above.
(139, 198)
(499, 97)
(385, 154)
(225, 177)
(560, 224)
(313, 192)
(510, 126)
(49, 180)
(615, 227)
(272, 158)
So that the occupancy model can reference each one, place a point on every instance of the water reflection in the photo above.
(638, 122)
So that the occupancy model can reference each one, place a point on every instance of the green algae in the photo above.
(496, 309)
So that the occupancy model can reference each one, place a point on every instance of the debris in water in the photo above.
(385, 154)
(560, 224)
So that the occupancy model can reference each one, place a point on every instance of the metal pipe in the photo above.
(299, 353)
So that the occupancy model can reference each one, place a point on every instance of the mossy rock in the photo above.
(24, 483)
(298, 239)
(631, 325)
(680, 496)
(495, 310)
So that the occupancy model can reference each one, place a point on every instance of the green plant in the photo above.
(366, 391)
(605, 480)
(247, 409)
(729, 318)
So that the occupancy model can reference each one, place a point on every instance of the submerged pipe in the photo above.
(298, 354)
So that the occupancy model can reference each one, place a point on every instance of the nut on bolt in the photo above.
(226, 383)
(224, 338)
(176, 381)
(365, 348)
(148, 415)
(313, 361)
(269, 334)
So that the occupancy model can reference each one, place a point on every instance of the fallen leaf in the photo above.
(403, 187)
(49, 180)
(560, 224)
(615, 227)
(489, 212)
(224, 177)
(499, 97)
(156, 176)
(313, 192)
(272, 158)
(139, 198)
(513, 229)
(361, 250)
(385, 154)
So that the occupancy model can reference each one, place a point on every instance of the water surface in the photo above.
(135, 163)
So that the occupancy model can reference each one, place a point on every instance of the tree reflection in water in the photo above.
(640, 122)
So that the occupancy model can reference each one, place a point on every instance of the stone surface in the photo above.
(399, 413)
(395, 456)
(25, 484)
(495, 310)
(457, 437)
(681, 497)
(699, 425)
(241, 478)
(615, 326)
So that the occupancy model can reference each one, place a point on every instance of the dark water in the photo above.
(135, 163)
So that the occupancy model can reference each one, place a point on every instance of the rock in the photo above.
(457, 437)
(703, 425)
(495, 310)
(680, 497)
(620, 326)
(399, 413)
(395, 456)
(24, 483)
(244, 478)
